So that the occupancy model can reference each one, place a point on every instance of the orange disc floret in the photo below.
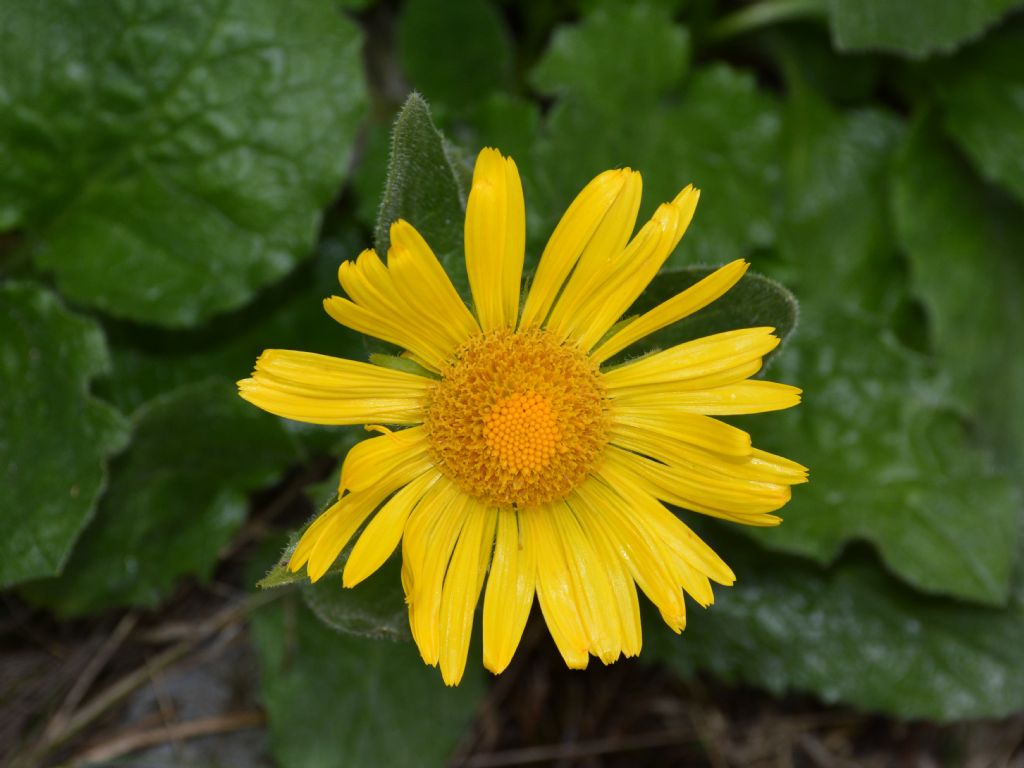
(518, 418)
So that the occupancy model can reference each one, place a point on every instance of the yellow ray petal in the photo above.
(623, 590)
(554, 586)
(346, 516)
(425, 286)
(701, 431)
(462, 589)
(733, 399)
(674, 448)
(592, 589)
(438, 543)
(702, 489)
(648, 559)
(598, 214)
(614, 289)
(509, 594)
(376, 306)
(695, 359)
(667, 527)
(403, 452)
(495, 237)
(609, 247)
(681, 305)
(330, 390)
(384, 532)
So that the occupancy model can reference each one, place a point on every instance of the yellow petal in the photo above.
(681, 305)
(591, 588)
(701, 431)
(733, 399)
(601, 205)
(343, 520)
(602, 254)
(698, 488)
(462, 589)
(623, 590)
(619, 282)
(495, 236)
(694, 360)
(424, 285)
(384, 532)
(650, 562)
(377, 307)
(666, 526)
(438, 540)
(403, 452)
(554, 586)
(329, 390)
(509, 595)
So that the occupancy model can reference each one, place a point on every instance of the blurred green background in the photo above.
(178, 183)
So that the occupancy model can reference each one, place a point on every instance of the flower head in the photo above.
(525, 464)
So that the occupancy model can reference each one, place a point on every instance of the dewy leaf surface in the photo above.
(911, 28)
(54, 436)
(168, 159)
(149, 362)
(375, 703)
(427, 186)
(174, 500)
(891, 460)
(852, 634)
(982, 94)
(966, 247)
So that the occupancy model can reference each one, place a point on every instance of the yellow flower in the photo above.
(523, 462)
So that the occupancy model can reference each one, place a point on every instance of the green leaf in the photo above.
(426, 185)
(373, 608)
(175, 499)
(982, 94)
(722, 134)
(965, 242)
(168, 161)
(852, 635)
(148, 362)
(909, 28)
(753, 302)
(54, 436)
(652, 55)
(334, 697)
(891, 463)
(454, 52)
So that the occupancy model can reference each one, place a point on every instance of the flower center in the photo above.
(518, 418)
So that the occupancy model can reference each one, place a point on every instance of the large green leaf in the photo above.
(852, 635)
(54, 436)
(337, 699)
(982, 92)
(427, 184)
(148, 362)
(912, 28)
(651, 56)
(891, 462)
(174, 500)
(454, 52)
(720, 133)
(966, 248)
(168, 159)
